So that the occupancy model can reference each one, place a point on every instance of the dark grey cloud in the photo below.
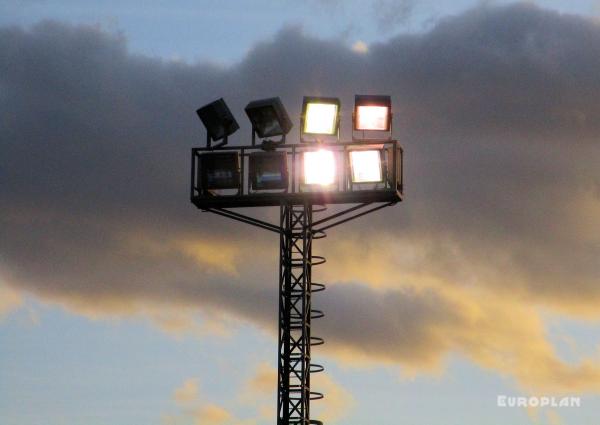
(497, 109)
(389, 14)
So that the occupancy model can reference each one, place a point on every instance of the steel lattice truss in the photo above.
(295, 315)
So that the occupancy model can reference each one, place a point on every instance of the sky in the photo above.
(121, 303)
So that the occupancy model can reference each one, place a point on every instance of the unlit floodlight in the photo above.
(268, 117)
(220, 170)
(218, 120)
(268, 170)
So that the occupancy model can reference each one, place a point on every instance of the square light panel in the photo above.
(319, 168)
(220, 170)
(366, 166)
(372, 113)
(268, 117)
(321, 115)
(268, 170)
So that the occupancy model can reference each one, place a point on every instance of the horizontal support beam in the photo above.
(321, 229)
(339, 214)
(245, 219)
(307, 145)
(314, 198)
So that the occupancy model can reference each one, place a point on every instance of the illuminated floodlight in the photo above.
(372, 113)
(366, 166)
(220, 170)
(268, 170)
(320, 115)
(218, 119)
(268, 117)
(319, 168)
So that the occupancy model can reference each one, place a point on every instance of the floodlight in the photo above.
(268, 117)
(366, 166)
(220, 170)
(218, 120)
(268, 170)
(319, 167)
(372, 113)
(320, 115)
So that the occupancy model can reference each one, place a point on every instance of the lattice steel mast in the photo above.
(226, 177)
(295, 364)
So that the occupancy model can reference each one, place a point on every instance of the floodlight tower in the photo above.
(302, 179)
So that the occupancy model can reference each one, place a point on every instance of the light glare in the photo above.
(319, 167)
(366, 166)
(372, 118)
(320, 118)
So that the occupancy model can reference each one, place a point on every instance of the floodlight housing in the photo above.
(218, 119)
(269, 117)
(320, 115)
(219, 170)
(268, 170)
(319, 168)
(365, 165)
(372, 113)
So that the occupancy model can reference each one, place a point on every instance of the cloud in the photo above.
(10, 300)
(188, 392)
(256, 397)
(260, 389)
(194, 408)
(391, 13)
(212, 414)
(338, 402)
(263, 381)
(497, 109)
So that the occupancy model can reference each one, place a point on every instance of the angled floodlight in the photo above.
(319, 167)
(218, 120)
(219, 170)
(268, 170)
(372, 113)
(365, 166)
(269, 118)
(320, 116)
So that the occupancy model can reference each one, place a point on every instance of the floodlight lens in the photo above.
(372, 117)
(319, 167)
(220, 170)
(268, 170)
(269, 117)
(266, 120)
(366, 166)
(321, 118)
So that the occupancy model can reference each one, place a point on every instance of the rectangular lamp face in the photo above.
(265, 121)
(372, 117)
(319, 168)
(366, 166)
(268, 170)
(220, 171)
(321, 118)
(269, 117)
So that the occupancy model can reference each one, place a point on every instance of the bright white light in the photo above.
(372, 117)
(319, 167)
(320, 118)
(366, 166)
